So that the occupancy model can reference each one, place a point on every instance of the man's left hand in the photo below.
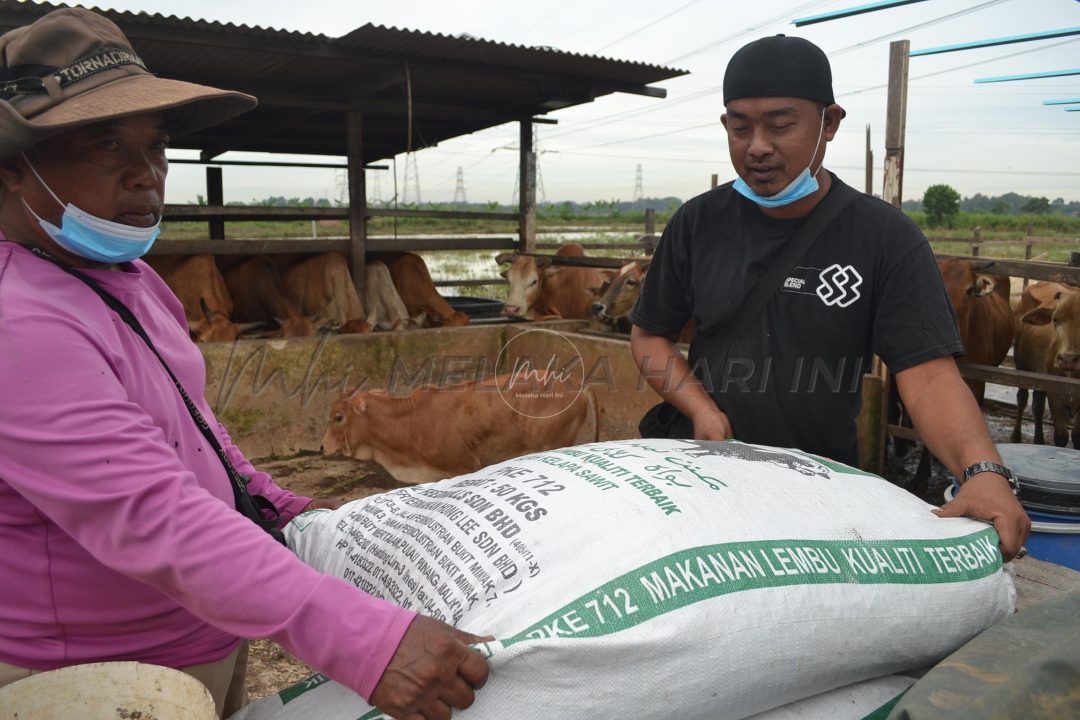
(987, 496)
(319, 504)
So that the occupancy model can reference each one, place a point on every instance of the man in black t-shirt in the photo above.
(867, 285)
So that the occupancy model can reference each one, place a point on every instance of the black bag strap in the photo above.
(823, 213)
(257, 508)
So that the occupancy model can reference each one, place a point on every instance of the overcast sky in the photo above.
(978, 138)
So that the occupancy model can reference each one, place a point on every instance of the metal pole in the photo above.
(869, 163)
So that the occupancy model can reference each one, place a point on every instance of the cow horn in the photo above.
(542, 261)
(504, 258)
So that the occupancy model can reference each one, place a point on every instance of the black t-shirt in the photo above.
(868, 285)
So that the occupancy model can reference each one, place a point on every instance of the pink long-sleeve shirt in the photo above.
(118, 534)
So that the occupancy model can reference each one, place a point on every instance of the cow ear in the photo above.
(1038, 316)
(644, 264)
(505, 273)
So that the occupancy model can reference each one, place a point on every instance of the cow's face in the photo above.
(1064, 314)
(348, 426)
(526, 278)
(621, 293)
(214, 326)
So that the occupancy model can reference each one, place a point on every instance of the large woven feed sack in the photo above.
(669, 578)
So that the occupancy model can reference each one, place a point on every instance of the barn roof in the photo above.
(307, 83)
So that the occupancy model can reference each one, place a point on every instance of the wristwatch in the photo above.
(980, 467)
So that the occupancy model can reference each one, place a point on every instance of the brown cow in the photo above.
(983, 315)
(436, 433)
(618, 297)
(542, 291)
(1048, 341)
(985, 322)
(417, 290)
(322, 286)
(196, 282)
(259, 296)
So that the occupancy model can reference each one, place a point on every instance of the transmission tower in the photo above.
(411, 192)
(540, 194)
(459, 189)
(639, 191)
(376, 188)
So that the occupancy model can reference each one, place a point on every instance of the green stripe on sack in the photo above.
(709, 571)
(883, 712)
(294, 691)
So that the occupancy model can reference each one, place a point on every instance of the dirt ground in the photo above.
(272, 669)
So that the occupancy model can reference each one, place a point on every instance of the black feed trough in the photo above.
(477, 307)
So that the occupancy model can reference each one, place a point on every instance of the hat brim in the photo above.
(187, 107)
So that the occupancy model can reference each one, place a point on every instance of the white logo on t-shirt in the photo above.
(839, 285)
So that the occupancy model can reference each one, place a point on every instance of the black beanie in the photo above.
(779, 66)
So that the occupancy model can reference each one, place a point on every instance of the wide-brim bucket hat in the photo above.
(74, 67)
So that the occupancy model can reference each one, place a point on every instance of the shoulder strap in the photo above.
(823, 213)
(255, 507)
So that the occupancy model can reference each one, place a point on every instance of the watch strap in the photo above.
(986, 466)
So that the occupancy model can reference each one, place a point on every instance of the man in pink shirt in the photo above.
(118, 520)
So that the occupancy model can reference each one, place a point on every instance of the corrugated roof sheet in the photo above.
(307, 83)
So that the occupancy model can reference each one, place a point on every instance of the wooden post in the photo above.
(527, 191)
(975, 241)
(650, 221)
(869, 164)
(215, 197)
(357, 199)
(1027, 247)
(892, 189)
(871, 424)
(714, 182)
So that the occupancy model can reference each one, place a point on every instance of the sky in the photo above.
(979, 138)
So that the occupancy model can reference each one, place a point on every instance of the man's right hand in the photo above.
(712, 425)
(433, 670)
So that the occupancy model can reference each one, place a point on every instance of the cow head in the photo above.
(214, 326)
(349, 424)
(356, 325)
(1064, 313)
(618, 296)
(526, 276)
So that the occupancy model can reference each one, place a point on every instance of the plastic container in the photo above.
(1049, 479)
(107, 691)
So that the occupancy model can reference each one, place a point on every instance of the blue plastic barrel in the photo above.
(1049, 479)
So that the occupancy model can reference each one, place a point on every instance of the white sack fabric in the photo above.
(669, 578)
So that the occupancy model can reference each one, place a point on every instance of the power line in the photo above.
(746, 31)
(918, 26)
(649, 24)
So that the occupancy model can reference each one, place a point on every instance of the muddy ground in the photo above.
(271, 668)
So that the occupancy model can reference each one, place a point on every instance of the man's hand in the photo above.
(319, 504)
(433, 670)
(712, 425)
(987, 496)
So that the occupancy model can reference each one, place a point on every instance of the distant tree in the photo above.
(941, 203)
(999, 207)
(200, 200)
(1036, 205)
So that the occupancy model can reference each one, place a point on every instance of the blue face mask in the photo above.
(805, 184)
(92, 237)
